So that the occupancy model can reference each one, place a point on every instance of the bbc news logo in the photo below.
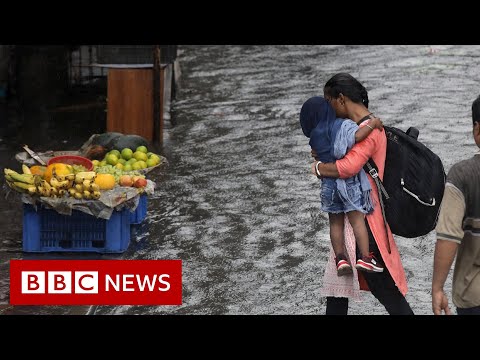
(59, 282)
(95, 282)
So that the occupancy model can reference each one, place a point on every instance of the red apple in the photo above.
(140, 182)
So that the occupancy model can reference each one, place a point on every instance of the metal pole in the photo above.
(157, 128)
(90, 60)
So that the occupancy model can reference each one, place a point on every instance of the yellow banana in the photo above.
(16, 188)
(24, 188)
(78, 196)
(58, 184)
(79, 188)
(71, 192)
(26, 169)
(22, 185)
(65, 177)
(24, 178)
(87, 195)
(96, 195)
(86, 175)
(46, 185)
(54, 182)
(94, 187)
(41, 190)
(61, 192)
(9, 178)
(64, 184)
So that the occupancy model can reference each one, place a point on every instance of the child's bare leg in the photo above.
(357, 220)
(366, 262)
(336, 232)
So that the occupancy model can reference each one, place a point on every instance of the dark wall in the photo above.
(41, 74)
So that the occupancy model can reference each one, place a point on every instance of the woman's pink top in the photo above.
(374, 146)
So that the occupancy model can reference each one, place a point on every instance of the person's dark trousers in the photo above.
(337, 306)
(381, 285)
(468, 311)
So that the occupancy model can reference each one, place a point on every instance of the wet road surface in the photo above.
(238, 205)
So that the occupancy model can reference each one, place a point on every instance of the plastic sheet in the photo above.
(118, 198)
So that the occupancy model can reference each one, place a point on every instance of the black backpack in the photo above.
(413, 184)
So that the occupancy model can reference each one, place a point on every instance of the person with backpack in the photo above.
(458, 234)
(349, 98)
(331, 138)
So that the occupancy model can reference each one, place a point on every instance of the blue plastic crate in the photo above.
(46, 230)
(137, 216)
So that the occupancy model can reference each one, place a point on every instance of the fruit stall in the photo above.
(85, 200)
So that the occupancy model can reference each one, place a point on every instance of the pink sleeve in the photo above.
(358, 155)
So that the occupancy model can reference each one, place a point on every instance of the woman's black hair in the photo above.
(476, 110)
(347, 85)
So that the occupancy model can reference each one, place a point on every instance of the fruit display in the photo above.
(119, 176)
(58, 196)
(58, 180)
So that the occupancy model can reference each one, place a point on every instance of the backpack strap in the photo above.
(371, 168)
(366, 117)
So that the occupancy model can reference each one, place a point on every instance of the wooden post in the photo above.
(130, 102)
(157, 96)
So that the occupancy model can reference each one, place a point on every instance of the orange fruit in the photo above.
(105, 181)
(60, 169)
(38, 170)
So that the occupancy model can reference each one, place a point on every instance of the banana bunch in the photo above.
(24, 183)
(85, 187)
(57, 186)
(79, 186)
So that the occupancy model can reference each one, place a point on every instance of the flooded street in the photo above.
(238, 204)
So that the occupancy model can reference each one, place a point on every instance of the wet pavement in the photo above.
(238, 205)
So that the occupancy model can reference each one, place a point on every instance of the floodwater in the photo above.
(238, 204)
